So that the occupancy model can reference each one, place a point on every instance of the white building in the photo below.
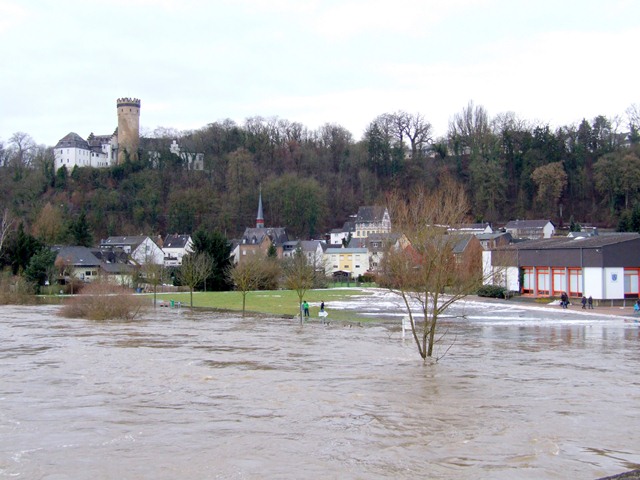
(605, 267)
(98, 151)
(353, 261)
(175, 247)
(141, 249)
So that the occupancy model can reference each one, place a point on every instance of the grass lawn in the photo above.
(276, 302)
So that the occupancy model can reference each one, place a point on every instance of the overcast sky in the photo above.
(193, 62)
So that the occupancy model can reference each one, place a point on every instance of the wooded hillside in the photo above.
(312, 180)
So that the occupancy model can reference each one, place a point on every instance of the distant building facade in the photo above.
(372, 219)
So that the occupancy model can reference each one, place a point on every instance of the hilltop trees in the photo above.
(314, 179)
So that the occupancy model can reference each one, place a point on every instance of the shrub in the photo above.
(103, 301)
(492, 291)
(16, 290)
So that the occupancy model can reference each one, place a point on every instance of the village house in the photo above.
(141, 249)
(530, 229)
(605, 267)
(489, 241)
(89, 265)
(371, 219)
(338, 235)
(351, 262)
(313, 250)
(175, 247)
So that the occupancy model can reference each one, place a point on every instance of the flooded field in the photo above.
(522, 392)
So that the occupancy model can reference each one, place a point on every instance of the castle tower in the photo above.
(128, 129)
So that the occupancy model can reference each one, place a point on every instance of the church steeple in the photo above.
(260, 217)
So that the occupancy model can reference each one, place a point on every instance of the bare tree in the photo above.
(153, 274)
(426, 273)
(22, 149)
(248, 276)
(416, 129)
(64, 265)
(298, 276)
(5, 225)
(551, 180)
(48, 226)
(195, 269)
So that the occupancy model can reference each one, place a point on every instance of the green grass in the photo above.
(274, 302)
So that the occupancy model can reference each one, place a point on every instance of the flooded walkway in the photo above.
(522, 392)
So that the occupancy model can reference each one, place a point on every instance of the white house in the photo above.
(605, 267)
(175, 247)
(337, 235)
(531, 229)
(141, 249)
(98, 151)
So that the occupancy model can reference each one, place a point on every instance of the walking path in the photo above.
(576, 306)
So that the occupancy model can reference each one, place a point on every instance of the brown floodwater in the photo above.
(520, 393)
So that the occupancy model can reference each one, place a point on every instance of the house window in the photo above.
(559, 280)
(632, 282)
(357, 266)
(575, 282)
(543, 281)
(527, 280)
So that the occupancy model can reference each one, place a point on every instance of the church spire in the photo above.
(260, 217)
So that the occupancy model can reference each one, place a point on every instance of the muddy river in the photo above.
(522, 392)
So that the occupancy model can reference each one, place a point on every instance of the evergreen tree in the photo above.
(40, 266)
(80, 233)
(216, 246)
(20, 248)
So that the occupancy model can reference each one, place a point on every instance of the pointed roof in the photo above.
(370, 214)
(72, 140)
(176, 241)
(260, 217)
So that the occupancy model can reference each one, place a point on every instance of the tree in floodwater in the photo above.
(426, 271)
(195, 269)
(254, 273)
(298, 275)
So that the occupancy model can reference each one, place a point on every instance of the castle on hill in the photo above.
(102, 151)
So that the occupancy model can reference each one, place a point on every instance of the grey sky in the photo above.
(192, 62)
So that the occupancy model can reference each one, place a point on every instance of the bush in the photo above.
(16, 290)
(103, 301)
(492, 291)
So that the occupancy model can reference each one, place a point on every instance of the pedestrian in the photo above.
(322, 306)
(584, 302)
(305, 308)
(636, 307)
(590, 302)
(564, 300)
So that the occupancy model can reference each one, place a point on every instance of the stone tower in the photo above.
(128, 129)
